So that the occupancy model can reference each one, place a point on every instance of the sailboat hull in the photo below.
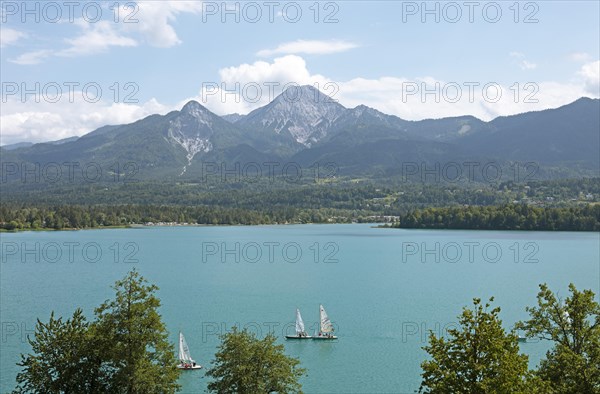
(296, 337)
(183, 367)
(325, 338)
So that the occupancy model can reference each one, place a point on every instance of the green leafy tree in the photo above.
(65, 359)
(125, 350)
(480, 357)
(136, 340)
(573, 364)
(246, 365)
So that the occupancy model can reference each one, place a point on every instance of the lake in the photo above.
(383, 289)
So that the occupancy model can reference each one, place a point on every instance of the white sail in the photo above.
(566, 314)
(184, 350)
(299, 322)
(326, 325)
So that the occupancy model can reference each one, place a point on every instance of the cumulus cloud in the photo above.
(289, 68)
(316, 47)
(46, 121)
(150, 22)
(422, 98)
(10, 36)
(248, 86)
(411, 98)
(591, 75)
(155, 18)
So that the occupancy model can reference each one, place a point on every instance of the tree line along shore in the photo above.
(496, 217)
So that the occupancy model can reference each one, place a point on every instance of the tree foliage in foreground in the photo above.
(246, 365)
(124, 350)
(136, 339)
(65, 359)
(480, 357)
(572, 366)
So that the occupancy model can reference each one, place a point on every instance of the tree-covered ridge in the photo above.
(93, 206)
(336, 193)
(504, 217)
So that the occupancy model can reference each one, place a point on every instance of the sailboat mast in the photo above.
(320, 319)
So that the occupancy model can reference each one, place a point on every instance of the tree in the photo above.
(244, 364)
(480, 357)
(135, 339)
(125, 350)
(573, 364)
(65, 360)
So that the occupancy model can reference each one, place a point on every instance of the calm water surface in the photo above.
(383, 288)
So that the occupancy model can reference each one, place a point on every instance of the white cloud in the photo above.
(45, 121)
(154, 20)
(523, 63)
(579, 56)
(393, 96)
(316, 47)
(95, 38)
(29, 58)
(10, 36)
(289, 68)
(255, 84)
(591, 75)
(149, 22)
(386, 93)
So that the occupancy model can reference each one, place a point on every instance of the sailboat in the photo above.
(521, 337)
(185, 358)
(300, 333)
(325, 326)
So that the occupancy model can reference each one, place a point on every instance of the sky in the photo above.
(69, 67)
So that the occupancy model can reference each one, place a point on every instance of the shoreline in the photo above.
(142, 226)
(373, 225)
(489, 229)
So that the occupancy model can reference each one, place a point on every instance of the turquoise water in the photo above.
(382, 288)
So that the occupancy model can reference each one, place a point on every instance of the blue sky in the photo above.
(382, 54)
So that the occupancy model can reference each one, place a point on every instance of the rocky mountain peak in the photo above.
(303, 111)
(192, 129)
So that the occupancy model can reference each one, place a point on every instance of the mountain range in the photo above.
(305, 126)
